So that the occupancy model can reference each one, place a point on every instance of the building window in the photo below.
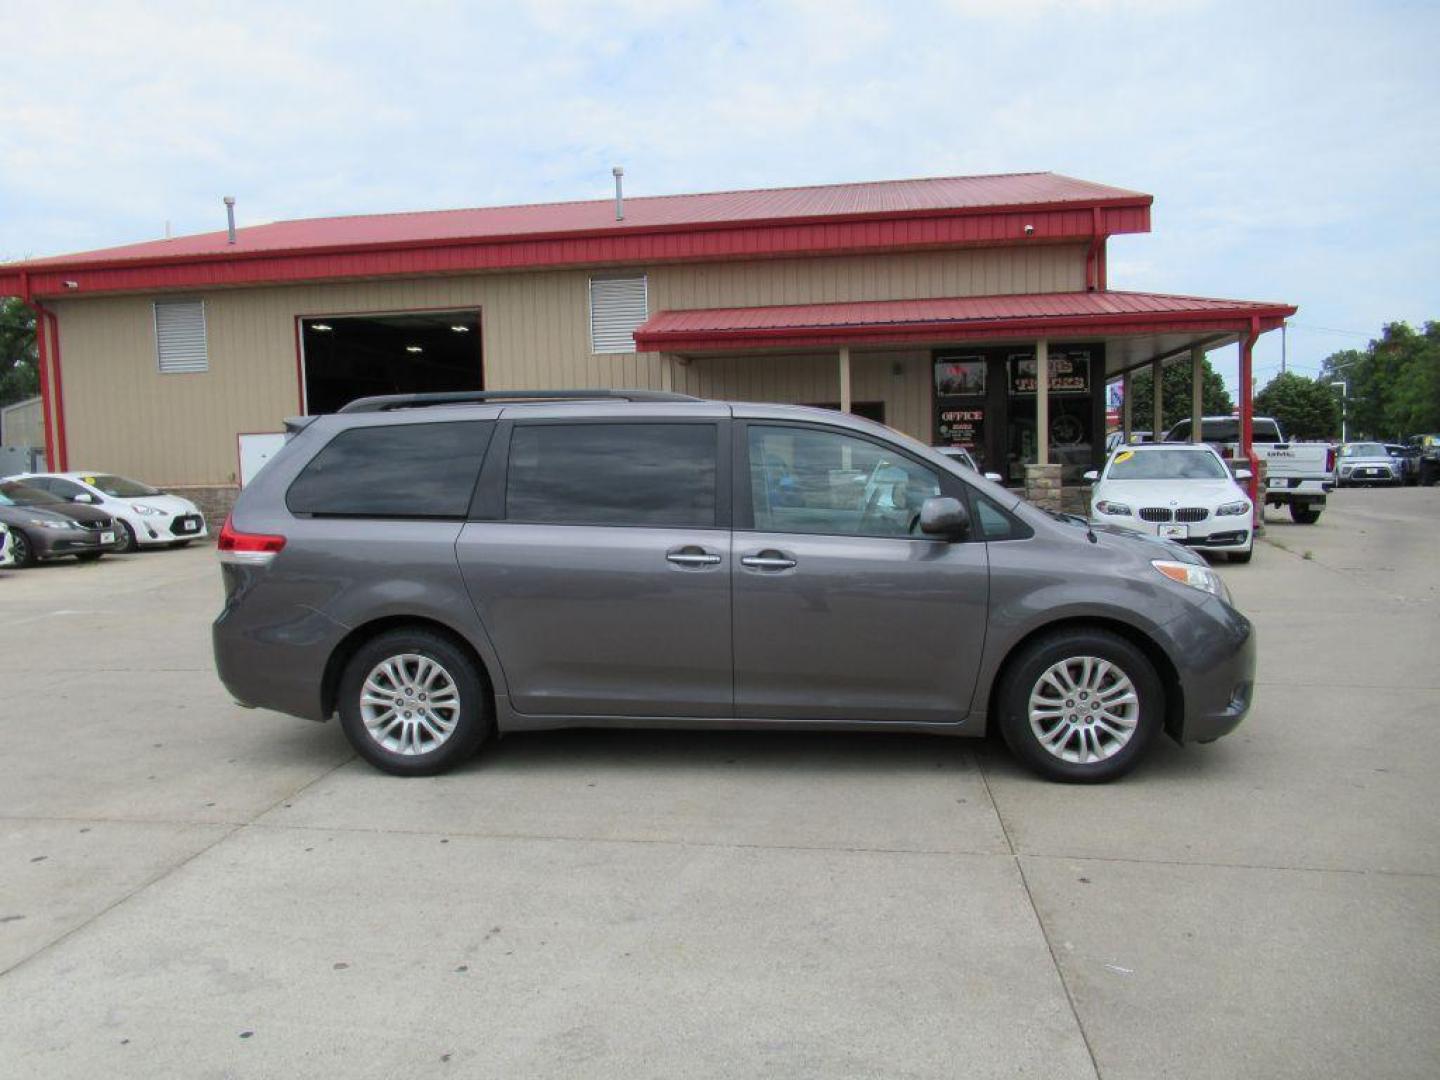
(180, 346)
(618, 305)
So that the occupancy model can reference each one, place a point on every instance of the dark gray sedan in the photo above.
(40, 531)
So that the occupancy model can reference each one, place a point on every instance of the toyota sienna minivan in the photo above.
(435, 569)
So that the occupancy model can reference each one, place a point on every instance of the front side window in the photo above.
(613, 474)
(404, 471)
(805, 480)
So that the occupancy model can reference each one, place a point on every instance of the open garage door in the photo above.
(346, 357)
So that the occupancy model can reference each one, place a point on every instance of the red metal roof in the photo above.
(949, 318)
(892, 215)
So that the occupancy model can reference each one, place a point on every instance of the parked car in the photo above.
(87, 517)
(144, 516)
(1117, 439)
(439, 568)
(1407, 460)
(1366, 463)
(1181, 493)
(963, 456)
(6, 558)
(1428, 470)
(1297, 475)
(37, 533)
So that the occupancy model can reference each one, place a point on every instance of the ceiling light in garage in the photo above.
(461, 329)
(413, 348)
(321, 326)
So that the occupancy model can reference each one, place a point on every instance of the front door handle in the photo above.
(692, 556)
(768, 560)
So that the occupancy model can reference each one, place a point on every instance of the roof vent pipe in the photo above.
(619, 174)
(230, 216)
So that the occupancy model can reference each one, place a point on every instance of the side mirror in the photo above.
(83, 497)
(1243, 474)
(994, 478)
(1091, 476)
(944, 518)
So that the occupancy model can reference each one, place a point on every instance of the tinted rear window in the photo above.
(612, 474)
(406, 471)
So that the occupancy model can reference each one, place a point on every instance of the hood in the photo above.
(18, 515)
(1165, 492)
(1149, 546)
(171, 504)
(75, 511)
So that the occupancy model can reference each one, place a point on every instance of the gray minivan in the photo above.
(439, 568)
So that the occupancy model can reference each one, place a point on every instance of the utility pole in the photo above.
(1344, 407)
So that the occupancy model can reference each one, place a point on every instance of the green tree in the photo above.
(1393, 386)
(19, 379)
(1175, 394)
(1306, 408)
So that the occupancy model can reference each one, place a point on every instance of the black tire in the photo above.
(124, 538)
(473, 723)
(89, 556)
(1429, 474)
(22, 548)
(1304, 515)
(1025, 671)
(1241, 556)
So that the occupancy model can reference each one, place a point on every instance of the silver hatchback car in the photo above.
(437, 569)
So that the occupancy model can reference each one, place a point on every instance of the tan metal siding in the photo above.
(123, 415)
(22, 424)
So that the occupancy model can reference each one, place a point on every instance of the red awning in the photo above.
(952, 319)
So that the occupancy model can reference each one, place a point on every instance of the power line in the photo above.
(1331, 330)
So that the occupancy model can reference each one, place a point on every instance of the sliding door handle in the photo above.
(692, 558)
(768, 560)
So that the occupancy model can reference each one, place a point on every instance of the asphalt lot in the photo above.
(191, 889)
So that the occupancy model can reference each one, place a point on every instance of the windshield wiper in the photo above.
(1075, 519)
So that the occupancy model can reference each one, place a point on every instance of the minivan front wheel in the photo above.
(1080, 705)
(412, 703)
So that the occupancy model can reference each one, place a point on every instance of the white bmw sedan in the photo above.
(144, 516)
(1176, 491)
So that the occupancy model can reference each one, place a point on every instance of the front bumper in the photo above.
(56, 543)
(168, 528)
(1217, 672)
(1370, 474)
(1229, 533)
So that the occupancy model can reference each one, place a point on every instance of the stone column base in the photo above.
(1042, 485)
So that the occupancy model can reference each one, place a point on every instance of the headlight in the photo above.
(1114, 509)
(43, 523)
(1229, 509)
(146, 511)
(1197, 577)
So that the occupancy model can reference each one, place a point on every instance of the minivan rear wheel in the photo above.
(1080, 705)
(413, 703)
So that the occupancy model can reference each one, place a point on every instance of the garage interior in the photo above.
(345, 357)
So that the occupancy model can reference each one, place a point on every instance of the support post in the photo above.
(1042, 402)
(1247, 415)
(1127, 399)
(1157, 405)
(667, 373)
(845, 401)
(1197, 384)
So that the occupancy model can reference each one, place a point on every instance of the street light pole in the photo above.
(1344, 406)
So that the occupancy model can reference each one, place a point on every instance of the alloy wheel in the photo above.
(409, 704)
(1084, 709)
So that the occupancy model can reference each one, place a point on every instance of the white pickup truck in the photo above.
(1298, 475)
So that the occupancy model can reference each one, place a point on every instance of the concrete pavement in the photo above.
(191, 889)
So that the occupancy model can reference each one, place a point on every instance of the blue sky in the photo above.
(1293, 149)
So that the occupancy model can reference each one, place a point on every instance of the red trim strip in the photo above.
(701, 243)
(51, 455)
(64, 445)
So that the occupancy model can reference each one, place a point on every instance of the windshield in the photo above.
(117, 487)
(1363, 449)
(18, 494)
(1166, 464)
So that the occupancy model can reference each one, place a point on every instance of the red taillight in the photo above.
(253, 549)
(1330, 459)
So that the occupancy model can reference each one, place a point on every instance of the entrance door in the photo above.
(842, 611)
(605, 587)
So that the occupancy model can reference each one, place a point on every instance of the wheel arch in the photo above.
(1164, 667)
(358, 637)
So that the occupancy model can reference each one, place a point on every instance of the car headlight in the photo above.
(144, 510)
(1114, 509)
(1232, 508)
(43, 523)
(1197, 577)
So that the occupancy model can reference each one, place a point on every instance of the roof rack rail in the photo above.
(389, 402)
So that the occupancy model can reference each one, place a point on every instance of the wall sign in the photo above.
(1069, 372)
(962, 427)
